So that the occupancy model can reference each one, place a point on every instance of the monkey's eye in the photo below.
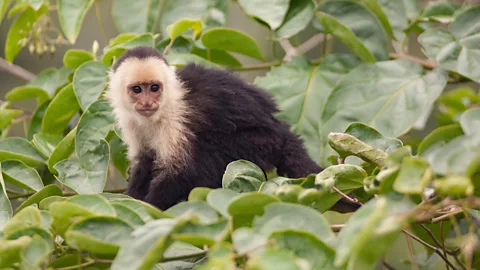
(155, 87)
(137, 89)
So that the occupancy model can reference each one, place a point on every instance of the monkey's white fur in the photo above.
(165, 132)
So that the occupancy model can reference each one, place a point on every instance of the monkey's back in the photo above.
(223, 102)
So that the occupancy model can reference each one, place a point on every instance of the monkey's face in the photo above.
(145, 96)
(142, 87)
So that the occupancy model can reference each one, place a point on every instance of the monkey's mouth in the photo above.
(147, 112)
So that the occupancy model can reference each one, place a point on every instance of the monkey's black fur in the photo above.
(232, 120)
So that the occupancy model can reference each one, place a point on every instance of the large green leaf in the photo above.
(302, 89)
(36, 253)
(7, 115)
(396, 12)
(20, 149)
(89, 81)
(147, 246)
(119, 155)
(27, 92)
(299, 14)
(27, 218)
(71, 14)
(219, 199)
(4, 5)
(73, 58)
(212, 13)
(439, 136)
(201, 209)
(272, 12)
(280, 216)
(46, 143)
(376, 224)
(5, 205)
(470, 122)
(62, 151)
(367, 39)
(245, 207)
(243, 176)
(51, 80)
(413, 177)
(181, 26)
(47, 191)
(456, 48)
(216, 56)
(99, 235)
(232, 40)
(35, 125)
(272, 259)
(60, 111)
(145, 12)
(11, 250)
(19, 174)
(19, 31)
(391, 100)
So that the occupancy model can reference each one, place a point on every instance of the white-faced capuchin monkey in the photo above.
(184, 126)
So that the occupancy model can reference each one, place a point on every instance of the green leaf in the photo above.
(46, 143)
(470, 122)
(439, 136)
(212, 13)
(119, 155)
(233, 41)
(272, 12)
(281, 216)
(19, 31)
(62, 151)
(306, 246)
(51, 80)
(219, 199)
(440, 12)
(95, 203)
(368, 40)
(199, 209)
(245, 207)
(36, 253)
(243, 176)
(89, 81)
(27, 92)
(199, 194)
(301, 90)
(145, 15)
(128, 214)
(271, 259)
(413, 177)
(27, 218)
(20, 149)
(396, 12)
(71, 14)
(455, 186)
(455, 48)
(86, 177)
(36, 121)
(60, 111)
(19, 174)
(377, 223)
(147, 247)
(4, 5)
(11, 250)
(347, 36)
(398, 85)
(181, 26)
(146, 211)
(200, 235)
(182, 59)
(5, 205)
(46, 192)
(300, 13)
(6, 116)
(99, 235)
(216, 56)
(373, 138)
(74, 58)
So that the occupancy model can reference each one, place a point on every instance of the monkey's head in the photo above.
(142, 82)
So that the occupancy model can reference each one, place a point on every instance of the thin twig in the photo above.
(424, 62)
(78, 266)
(312, 42)
(257, 67)
(184, 257)
(353, 200)
(388, 266)
(15, 70)
(435, 249)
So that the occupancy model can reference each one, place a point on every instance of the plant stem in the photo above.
(424, 62)
(183, 257)
(15, 70)
(78, 266)
(159, 15)
(258, 66)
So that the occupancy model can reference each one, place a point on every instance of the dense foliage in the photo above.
(354, 111)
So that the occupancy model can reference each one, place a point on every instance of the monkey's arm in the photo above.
(140, 178)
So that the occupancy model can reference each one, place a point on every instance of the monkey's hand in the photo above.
(167, 189)
(141, 176)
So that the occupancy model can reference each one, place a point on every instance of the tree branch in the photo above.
(424, 62)
(313, 42)
(15, 70)
(290, 51)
